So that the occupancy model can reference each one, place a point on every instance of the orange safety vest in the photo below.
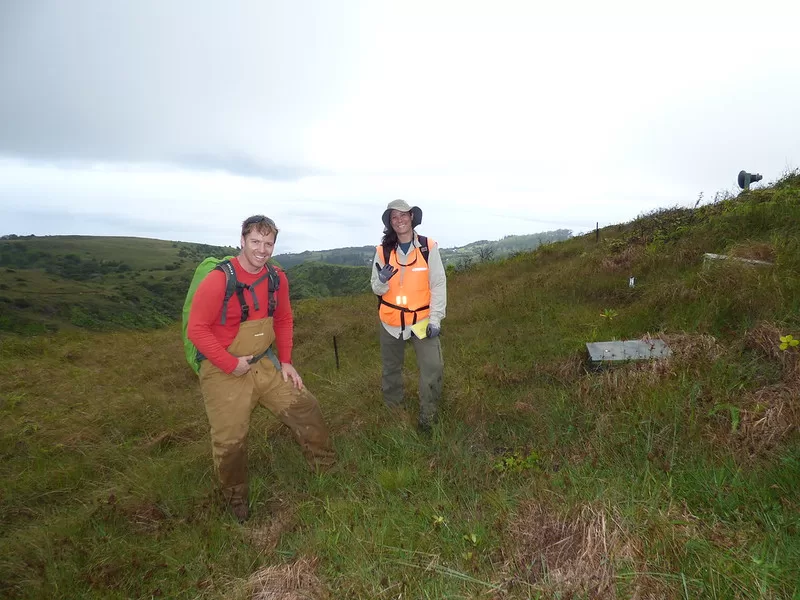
(408, 300)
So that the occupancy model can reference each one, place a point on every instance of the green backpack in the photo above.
(232, 286)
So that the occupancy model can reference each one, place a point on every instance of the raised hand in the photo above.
(386, 273)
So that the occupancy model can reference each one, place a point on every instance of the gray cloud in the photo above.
(247, 166)
(66, 222)
(150, 81)
(495, 120)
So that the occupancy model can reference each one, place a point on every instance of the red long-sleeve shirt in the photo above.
(212, 338)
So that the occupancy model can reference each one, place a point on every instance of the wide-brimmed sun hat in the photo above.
(402, 206)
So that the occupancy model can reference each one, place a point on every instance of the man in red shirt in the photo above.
(235, 371)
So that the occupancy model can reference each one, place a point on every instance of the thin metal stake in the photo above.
(336, 352)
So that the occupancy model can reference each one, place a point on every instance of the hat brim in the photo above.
(416, 217)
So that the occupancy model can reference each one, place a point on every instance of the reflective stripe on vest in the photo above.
(409, 297)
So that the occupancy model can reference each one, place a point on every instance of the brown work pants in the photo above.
(230, 400)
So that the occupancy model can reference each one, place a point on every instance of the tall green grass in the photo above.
(546, 478)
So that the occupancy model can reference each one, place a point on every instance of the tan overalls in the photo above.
(230, 400)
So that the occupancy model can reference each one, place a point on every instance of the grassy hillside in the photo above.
(460, 256)
(545, 479)
(320, 280)
(48, 283)
(105, 283)
(354, 256)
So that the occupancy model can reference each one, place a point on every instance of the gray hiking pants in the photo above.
(430, 364)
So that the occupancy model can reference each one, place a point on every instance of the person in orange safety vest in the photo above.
(409, 280)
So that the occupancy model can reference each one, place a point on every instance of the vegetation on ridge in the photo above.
(677, 478)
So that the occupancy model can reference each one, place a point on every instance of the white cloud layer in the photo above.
(177, 120)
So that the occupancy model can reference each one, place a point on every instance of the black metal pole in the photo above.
(597, 232)
(336, 352)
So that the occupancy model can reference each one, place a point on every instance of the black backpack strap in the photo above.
(253, 290)
(387, 252)
(423, 247)
(272, 290)
(240, 288)
(273, 283)
(231, 285)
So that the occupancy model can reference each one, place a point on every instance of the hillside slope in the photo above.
(95, 282)
(105, 283)
(546, 478)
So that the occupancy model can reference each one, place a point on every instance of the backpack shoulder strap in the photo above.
(423, 243)
(273, 283)
(423, 247)
(231, 286)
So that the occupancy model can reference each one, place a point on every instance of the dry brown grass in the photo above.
(695, 350)
(576, 555)
(754, 251)
(292, 581)
(627, 380)
(622, 261)
(566, 371)
(765, 338)
(693, 347)
(769, 416)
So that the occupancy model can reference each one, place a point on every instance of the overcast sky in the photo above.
(177, 119)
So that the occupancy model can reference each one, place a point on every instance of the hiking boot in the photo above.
(424, 429)
(240, 510)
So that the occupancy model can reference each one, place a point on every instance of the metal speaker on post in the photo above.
(745, 179)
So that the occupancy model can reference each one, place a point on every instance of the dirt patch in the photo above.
(147, 516)
(293, 581)
(570, 556)
(266, 536)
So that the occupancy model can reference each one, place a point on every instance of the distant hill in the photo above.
(353, 256)
(471, 253)
(94, 282)
(321, 280)
(97, 282)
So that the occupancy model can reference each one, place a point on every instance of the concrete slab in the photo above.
(625, 350)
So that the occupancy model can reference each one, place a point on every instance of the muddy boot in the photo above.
(236, 501)
(425, 429)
